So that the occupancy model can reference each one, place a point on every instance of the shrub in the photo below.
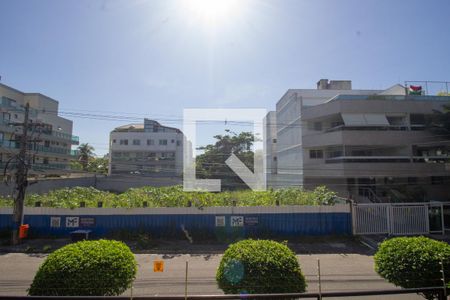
(413, 262)
(86, 268)
(259, 266)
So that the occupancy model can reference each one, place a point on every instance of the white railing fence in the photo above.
(398, 218)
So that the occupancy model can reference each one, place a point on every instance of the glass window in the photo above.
(124, 142)
(318, 126)
(172, 141)
(178, 143)
(315, 153)
(163, 142)
(136, 142)
(150, 142)
(114, 141)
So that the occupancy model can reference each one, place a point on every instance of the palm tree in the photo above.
(85, 151)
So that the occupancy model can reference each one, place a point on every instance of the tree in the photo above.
(98, 165)
(211, 164)
(85, 151)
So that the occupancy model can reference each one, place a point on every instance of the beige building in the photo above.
(371, 145)
(51, 150)
(146, 149)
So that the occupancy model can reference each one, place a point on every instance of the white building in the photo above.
(51, 150)
(146, 149)
(361, 143)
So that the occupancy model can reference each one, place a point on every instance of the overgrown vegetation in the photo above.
(87, 268)
(260, 266)
(175, 197)
(413, 262)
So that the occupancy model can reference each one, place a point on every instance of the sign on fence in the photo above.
(158, 266)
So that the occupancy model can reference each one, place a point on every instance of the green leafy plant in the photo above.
(174, 196)
(87, 268)
(259, 266)
(413, 262)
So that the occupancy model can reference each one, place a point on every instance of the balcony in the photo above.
(367, 137)
(74, 140)
(372, 167)
(388, 159)
(40, 167)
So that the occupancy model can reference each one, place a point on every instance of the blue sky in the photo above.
(153, 58)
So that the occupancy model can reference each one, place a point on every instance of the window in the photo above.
(417, 119)
(274, 141)
(172, 141)
(46, 143)
(123, 142)
(412, 180)
(178, 143)
(315, 153)
(274, 158)
(45, 162)
(163, 142)
(150, 142)
(318, 126)
(136, 142)
(114, 141)
(437, 180)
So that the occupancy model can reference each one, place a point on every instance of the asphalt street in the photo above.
(339, 272)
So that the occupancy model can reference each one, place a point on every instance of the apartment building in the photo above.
(51, 150)
(146, 149)
(370, 145)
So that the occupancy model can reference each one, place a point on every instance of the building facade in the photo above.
(50, 137)
(370, 145)
(146, 149)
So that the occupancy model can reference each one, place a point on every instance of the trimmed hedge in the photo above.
(86, 268)
(413, 262)
(259, 266)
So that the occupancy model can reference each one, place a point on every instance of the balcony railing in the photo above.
(41, 166)
(377, 128)
(39, 148)
(388, 159)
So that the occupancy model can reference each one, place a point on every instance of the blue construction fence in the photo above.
(180, 222)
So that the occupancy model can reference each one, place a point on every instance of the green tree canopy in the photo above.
(85, 152)
(211, 164)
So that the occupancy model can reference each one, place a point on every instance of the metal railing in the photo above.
(440, 291)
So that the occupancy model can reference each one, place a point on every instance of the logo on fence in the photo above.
(237, 221)
(255, 180)
(72, 222)
(55, 222)
(220, 221)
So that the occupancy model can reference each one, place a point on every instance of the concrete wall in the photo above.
(107, 183)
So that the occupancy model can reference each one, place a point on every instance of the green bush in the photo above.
(87, 268)
(413, 262)
(259, 266)
(174, 196)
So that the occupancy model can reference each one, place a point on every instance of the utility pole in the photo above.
(21, 179)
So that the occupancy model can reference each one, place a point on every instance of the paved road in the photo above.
(340, 272)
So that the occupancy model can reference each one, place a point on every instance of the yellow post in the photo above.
(186, 281)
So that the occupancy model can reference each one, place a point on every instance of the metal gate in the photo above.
(397, 219)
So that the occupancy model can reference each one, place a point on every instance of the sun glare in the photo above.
(212, 10)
